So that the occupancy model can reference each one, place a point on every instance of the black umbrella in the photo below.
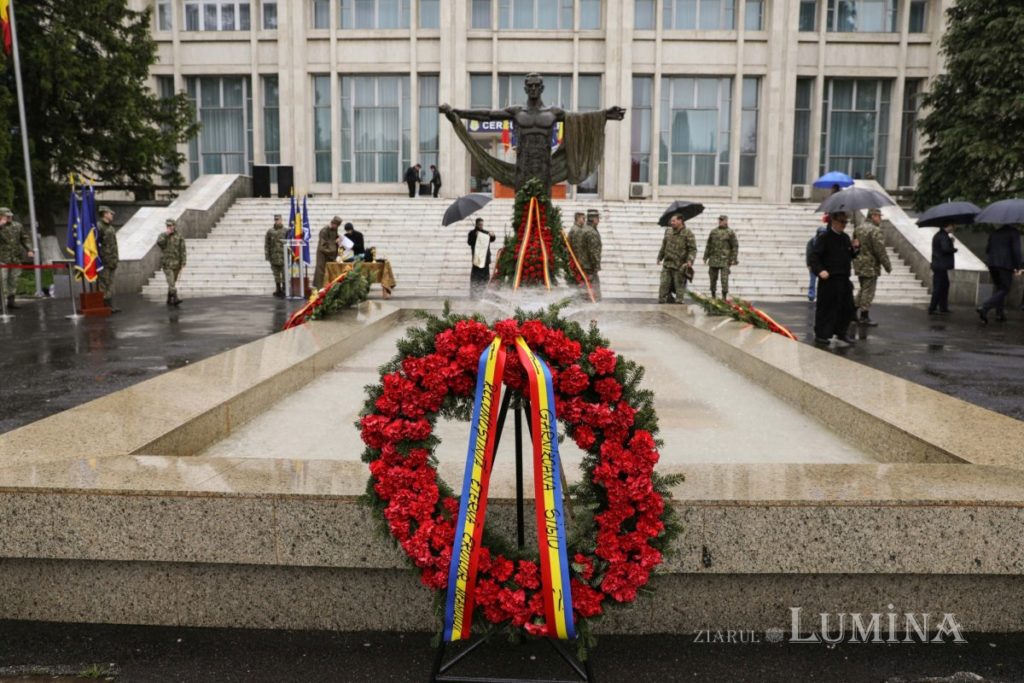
(464, 207)
(1006, 212)
(687, 209)
(855, 199)
(950, 213)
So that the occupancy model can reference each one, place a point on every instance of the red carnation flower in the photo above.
(603, 360)
(573, 380)
(608, 389)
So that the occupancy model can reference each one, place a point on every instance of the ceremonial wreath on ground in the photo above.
(457, 366)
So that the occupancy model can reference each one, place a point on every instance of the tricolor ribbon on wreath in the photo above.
(554, 558)
(533, 219)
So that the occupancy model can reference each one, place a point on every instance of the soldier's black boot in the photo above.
(866, 320)
(175, 301)
(279, 291)
(714, 295)
(170, 299)
(10, 302)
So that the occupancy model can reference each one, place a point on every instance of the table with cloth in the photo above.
(377, 272)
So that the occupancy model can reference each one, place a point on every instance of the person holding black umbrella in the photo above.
(678, 249)
(480, 249)
(831, 259)
(1003, 255)
(943, 261)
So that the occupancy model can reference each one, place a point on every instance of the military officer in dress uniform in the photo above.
(678, 249)
(273, 252)
(172, 259)
(721, 252)
(108, 256)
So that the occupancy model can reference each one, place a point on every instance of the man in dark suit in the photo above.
(942, 263)
(1004, 261)
(435, 180)
(358, 246)
(412, 179)
(831, 259)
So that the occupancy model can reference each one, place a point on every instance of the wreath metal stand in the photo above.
(582, 670)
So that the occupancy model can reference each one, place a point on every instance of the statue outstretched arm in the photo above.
(478, 114)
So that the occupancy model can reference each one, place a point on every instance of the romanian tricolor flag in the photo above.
(506, 132)
(90, 264)
(298, 226)
(5, 24)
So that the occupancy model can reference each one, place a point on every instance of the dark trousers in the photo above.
(436, 189)
(412, 187)
(478, 279)
(1002, 280)
(835, 308)
(940, 291)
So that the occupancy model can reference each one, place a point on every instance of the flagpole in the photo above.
(37, 259)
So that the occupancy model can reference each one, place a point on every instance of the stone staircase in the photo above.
(431, 260)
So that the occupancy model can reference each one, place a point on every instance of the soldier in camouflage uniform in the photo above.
(108, 256)
(14, 245)
(721, 252)
(326, 250)
(869, 263)
(678, 249)
(273, 251)
(589, 251)
(172, 260)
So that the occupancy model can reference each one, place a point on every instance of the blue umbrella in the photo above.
(832, 178)
(1006, 212)
(950, 213)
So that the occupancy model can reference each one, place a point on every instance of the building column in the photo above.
(775, 139)
(814, 155)
(736, 113)
(617, 90)
(892, 154)
(659, 46)
(453, 89)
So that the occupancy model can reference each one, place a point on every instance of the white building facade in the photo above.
(726, 99)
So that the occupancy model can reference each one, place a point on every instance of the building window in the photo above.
(480, 91)
(375, 127)
(430, 13)
(535, 14)
(429, 146)
(919, 16)
(908, 131)
(163, 16)
(271, 124)
(224, 108)
(855, 127)
(754, 15)
(802, 129)
(748, 132)
(590, 14)
(643, 15)
(808, 15)
(322, 128)
(270, 16)
(374, 14)
(321, 14)
(862, 16)
(640, 146)
(698, 14)
(481, 12)
(557, 90)
(694, 136)
(589, 99)
(217, 16)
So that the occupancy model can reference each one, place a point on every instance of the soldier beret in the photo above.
(170, 221)
(336, 220)
(4, 211)
(104, 209)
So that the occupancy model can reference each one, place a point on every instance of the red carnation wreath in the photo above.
(623, 523)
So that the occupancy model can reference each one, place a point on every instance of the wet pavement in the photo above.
(160, 654)
(955, 354)
(49, 363)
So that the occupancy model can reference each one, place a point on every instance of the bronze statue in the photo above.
(576, 159)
